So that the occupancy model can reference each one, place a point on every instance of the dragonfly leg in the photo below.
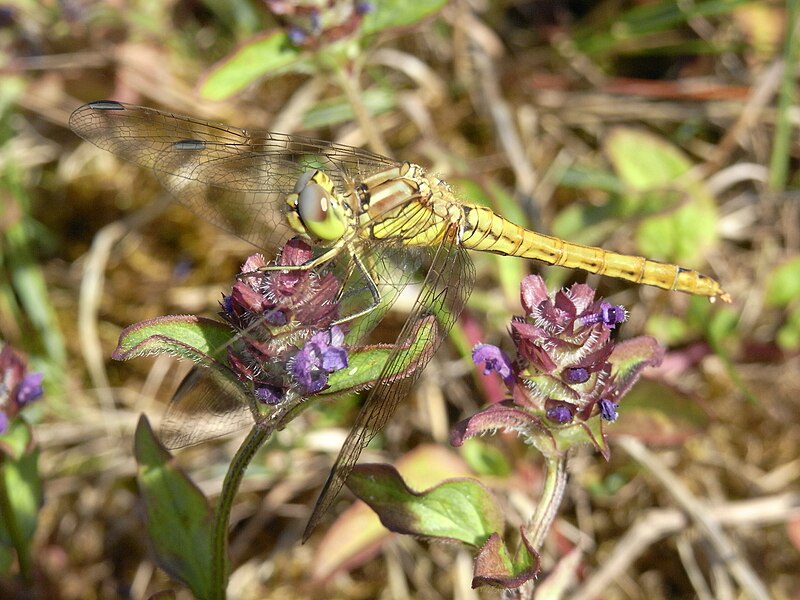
(330, 254)
(371, 286)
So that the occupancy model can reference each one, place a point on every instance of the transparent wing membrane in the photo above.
(236, 179)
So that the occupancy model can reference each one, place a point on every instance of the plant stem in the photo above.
(233, 478)
(787, 97)
(554, 485)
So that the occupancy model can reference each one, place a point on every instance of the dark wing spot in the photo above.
(191, 145)
(106, 105)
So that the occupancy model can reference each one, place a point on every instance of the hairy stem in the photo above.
(554, 485)
(233, 478)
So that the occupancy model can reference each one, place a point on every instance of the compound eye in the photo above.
(319, 212)
(302, 181)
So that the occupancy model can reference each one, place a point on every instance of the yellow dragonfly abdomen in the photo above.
(489, 232)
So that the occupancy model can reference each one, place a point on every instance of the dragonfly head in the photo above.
(315, 210)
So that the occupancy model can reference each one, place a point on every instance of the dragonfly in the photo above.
(396, 223)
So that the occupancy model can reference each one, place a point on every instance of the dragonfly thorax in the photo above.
(315, 209)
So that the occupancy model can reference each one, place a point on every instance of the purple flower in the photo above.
(576, 375)
(269, 394)
(287, 343)
(608, 314)
(608, 410)
(18, 388)
(275, 297)
(323, 354)
(567, 369)
(30, 388)
(493, 360)
(296, 35)
(560, 413)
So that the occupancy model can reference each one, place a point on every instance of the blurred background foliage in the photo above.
(650, 127)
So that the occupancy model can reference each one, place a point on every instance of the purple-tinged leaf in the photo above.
(504, 416)
(550, 440)
(177, 514)
(459, 509)
(630, 357)
(194, 338)
(495, 566)
(357, 534)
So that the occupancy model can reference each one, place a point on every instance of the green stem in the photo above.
(554, 485)
(233, 478)
(12, 525)
(787, 98)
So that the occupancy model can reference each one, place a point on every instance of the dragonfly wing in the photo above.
(444, 293)
(235, 178)
(206, 405)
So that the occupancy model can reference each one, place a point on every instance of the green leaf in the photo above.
(365, 364)
(459, 509)
(654, 171)
(391, 14)
(633, 30)
(178, 518)
(784, 283)
(22, 491)
(262, 56)
(357, 534)
(788, 336)
(339, 110)
(485, 459)
(17, 440)
(195, 338)
(494, 565)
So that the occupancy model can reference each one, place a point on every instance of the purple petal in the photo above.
(334, 359)
(362, 8)
(296, 35)
(608, 410)
(559, 412)
(493, 360)
(612, 314)
(608, 314)
(227, 305)
(269, 394)
(336, 336)
(3, 422)
(318, 358)
(29, 389)
(575, 375)
(306, 367)
(276, 316)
